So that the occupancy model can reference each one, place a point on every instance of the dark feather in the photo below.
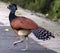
(42, 34)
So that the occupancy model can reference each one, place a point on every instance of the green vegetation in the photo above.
(50, 7)
(54, 13)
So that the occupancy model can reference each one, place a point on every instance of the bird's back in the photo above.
(25, 23)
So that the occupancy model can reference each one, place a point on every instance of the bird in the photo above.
(23, 26)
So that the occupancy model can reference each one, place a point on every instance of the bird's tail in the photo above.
(42, 34)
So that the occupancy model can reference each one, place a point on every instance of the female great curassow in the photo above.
(23, 26)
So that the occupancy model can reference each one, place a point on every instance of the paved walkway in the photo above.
(35, 46)
(7, 38)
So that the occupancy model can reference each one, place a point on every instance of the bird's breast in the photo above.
(23, 32)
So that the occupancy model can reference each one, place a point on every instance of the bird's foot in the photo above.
(24, 49)
(16, 42)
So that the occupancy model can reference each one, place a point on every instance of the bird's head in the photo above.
(12, 7)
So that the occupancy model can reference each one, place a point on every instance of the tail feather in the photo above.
(42, 34)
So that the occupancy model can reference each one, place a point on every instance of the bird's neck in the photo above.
(12, 15)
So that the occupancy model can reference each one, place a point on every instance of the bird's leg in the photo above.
(22, 38)
(16, 42)
(27, 44)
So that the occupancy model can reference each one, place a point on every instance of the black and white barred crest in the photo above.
(42, 34)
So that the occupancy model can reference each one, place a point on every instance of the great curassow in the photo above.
(23, 26)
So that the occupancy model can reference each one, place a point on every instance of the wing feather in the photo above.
(25, 23)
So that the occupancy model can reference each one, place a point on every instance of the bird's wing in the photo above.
(25, 23)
